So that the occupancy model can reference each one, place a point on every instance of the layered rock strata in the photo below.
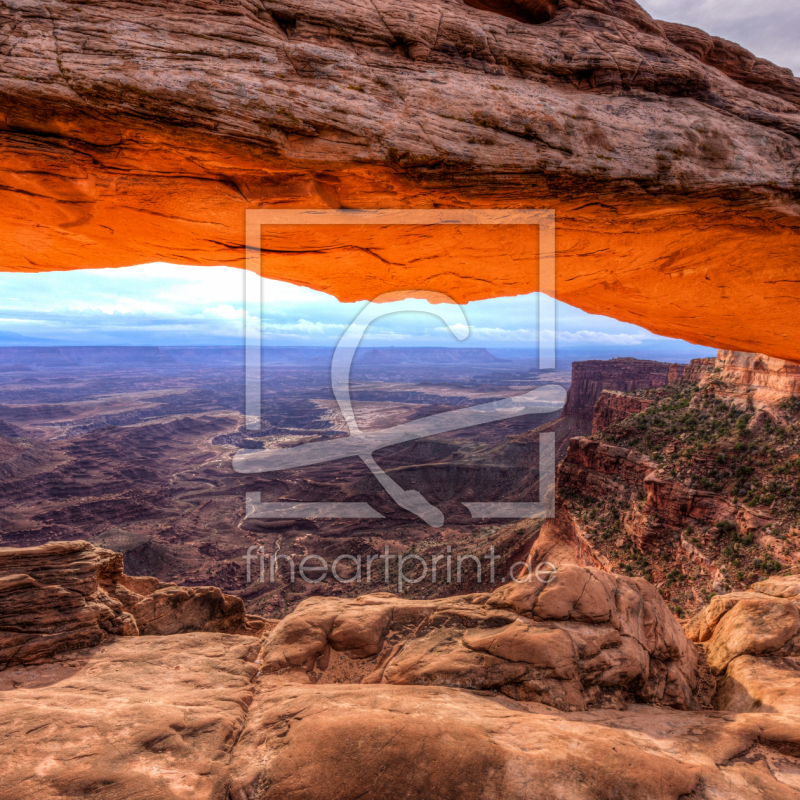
(612, 407)
(755, 380)
(591, 378)
(655, 505)
(66, 596)
(669, 156)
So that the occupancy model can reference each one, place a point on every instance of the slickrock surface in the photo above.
(753, 641)
(70, 595)
(383, 697)
(587, 638)
(141, 131)
(144, 717)
(334, 742)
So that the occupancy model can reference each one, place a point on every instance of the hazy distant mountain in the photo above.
(391, 356)
(9, 339)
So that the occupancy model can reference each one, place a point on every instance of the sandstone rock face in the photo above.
(699, 369)
(765, 381)
(752, 640)
(670, 157)
(591, 378)
(52, 600)
(587, 638)
(331, 742)
(613, 407)
(144, 717)
(70, 595)
(177, 609)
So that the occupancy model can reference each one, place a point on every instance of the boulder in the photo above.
(752, 640)
(584, 639)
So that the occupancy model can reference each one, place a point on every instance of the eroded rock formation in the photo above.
(354, 698)
(757, 380)
(753, 642)
(612, 407)
(693, 483)
(670, 157)
(585, 639)
(591, 378)
(66, 596)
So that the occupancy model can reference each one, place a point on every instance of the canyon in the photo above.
(643, 642)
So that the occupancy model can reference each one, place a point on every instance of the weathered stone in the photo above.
(144, 717)
(330, 742)
(69, 595)
(752, 640)
(572, 644)
(147, 139)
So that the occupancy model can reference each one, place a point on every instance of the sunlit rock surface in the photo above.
(136, 132)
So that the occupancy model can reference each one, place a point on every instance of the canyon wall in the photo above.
(614, 407)
(699, 369)
(591, 378)
(669, 157)
(766, 381)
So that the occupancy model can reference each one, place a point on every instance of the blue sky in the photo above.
(164, 304)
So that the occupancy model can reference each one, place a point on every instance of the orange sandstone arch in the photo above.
(671, 160)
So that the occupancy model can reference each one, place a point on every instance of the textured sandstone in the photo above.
(69, 595)
(591, 378)
(587, 638)
(752, 640)
(763, 381)
(332, 707)
(339, 742)
(599, 470)
(136, 132)
(699, 369)
(144, 717)
(613, 407)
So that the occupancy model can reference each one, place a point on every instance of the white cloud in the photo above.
(225, 312)
(164, 303)
(599, 337)
(531, 336)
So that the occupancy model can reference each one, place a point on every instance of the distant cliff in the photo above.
(590, 378)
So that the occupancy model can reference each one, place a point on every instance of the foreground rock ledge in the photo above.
(585, 639)
(671, 157)
(214, 716)
(64, 596)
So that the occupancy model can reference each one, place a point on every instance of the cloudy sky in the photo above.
(768, 28)
(163, 304)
